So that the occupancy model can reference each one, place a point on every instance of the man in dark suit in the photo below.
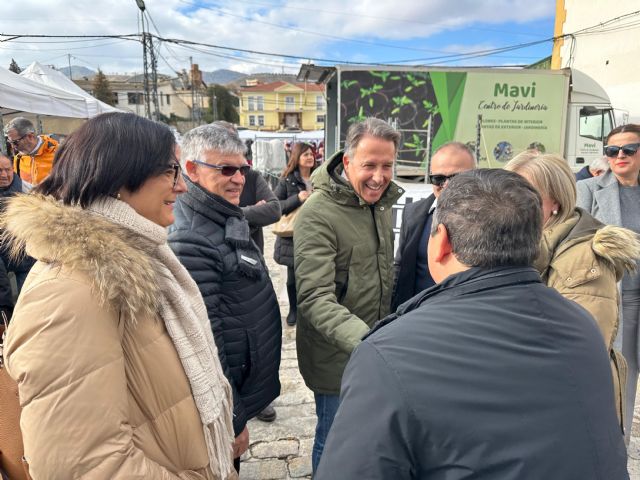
(411, 267)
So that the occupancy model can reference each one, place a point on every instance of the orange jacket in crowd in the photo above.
(35, 168)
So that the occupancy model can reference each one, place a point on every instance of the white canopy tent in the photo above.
(52, 78)
(316, 135)
(20, 94)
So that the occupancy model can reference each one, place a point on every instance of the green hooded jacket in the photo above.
(343, 255)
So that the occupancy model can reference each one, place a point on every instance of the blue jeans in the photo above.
(326, 408)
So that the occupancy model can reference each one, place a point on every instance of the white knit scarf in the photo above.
(185, 316)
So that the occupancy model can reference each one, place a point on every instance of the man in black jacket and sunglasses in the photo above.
(411, 267)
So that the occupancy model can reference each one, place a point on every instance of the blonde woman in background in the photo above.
(580, 257)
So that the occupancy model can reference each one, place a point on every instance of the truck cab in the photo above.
(589, 119)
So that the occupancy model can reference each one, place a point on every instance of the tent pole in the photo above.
(3, 143)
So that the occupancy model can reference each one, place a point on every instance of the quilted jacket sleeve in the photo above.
(200, 257)
(65, 352)
(289, 200)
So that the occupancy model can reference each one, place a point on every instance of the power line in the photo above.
(309, 32)
(375, 17)
(443, 58)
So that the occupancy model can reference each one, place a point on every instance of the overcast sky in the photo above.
(370, 31)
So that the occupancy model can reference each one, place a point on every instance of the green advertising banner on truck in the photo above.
(502, 113)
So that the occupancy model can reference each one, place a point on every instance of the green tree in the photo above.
(101, 88)
(225, 105)
(13, 66)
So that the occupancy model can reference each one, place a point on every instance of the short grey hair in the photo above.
(373, 127)
(21, 125)
(493, 218)
(462, 147)
(210, 137)
(599, 163)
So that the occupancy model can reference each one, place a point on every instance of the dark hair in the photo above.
(628, 128)
(294, 158)
(493, 218)
(110, 151)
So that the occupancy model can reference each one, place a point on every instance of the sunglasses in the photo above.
(16, 141)
(175, 169)
(226, 170)
(629, 149)
(439, 180)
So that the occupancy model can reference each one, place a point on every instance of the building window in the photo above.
(168, 99)
(135, 98)
(289, 103)
(114, 98)
(252, 120)
(320, 103)
(261, 120)
(319, 118)
(260, 103)
(252, 104)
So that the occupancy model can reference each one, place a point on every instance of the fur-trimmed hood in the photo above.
(116, 259)
(618, 246)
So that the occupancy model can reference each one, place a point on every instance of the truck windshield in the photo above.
(595, 123)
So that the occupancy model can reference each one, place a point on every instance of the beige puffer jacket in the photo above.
(583, 260)
(102, 397)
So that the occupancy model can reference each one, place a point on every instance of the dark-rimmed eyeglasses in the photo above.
(226, 170)
(176, 170)
(438, 180)
(16, 141)
(629, 149)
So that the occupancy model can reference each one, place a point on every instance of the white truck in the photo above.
(498, 112)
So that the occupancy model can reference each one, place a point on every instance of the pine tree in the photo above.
(226, 104)
(14, 66)
(102, 89)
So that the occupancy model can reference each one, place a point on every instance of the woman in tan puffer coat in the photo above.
(110, 343)
(579, 256)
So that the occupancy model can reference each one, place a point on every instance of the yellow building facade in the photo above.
(282, 106)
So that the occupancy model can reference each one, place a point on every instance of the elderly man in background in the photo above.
(34, 153)
(211, 238)
(343, 256)
(11, 184)
(597, 167)
(489, 374)
(411, 264)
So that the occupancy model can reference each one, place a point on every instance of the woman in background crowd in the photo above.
(292, 191)
(110, 343)
(579, 256)
(614, 199)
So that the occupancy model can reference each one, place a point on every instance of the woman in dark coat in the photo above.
(292, 191)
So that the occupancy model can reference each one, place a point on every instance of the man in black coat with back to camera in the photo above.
(489, 374)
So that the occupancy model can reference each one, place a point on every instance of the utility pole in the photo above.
(214, 104)
(154, 78)
(70, 74)
(193, 91)
(145, 65)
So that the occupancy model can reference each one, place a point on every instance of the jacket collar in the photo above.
(119, 261)
(608, 179)
(329, 178)
(208, 204)
(13, 188)
(473, 280)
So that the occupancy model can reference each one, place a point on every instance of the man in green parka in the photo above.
(343, 255)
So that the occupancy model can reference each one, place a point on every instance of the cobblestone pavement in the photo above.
(282, 450)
